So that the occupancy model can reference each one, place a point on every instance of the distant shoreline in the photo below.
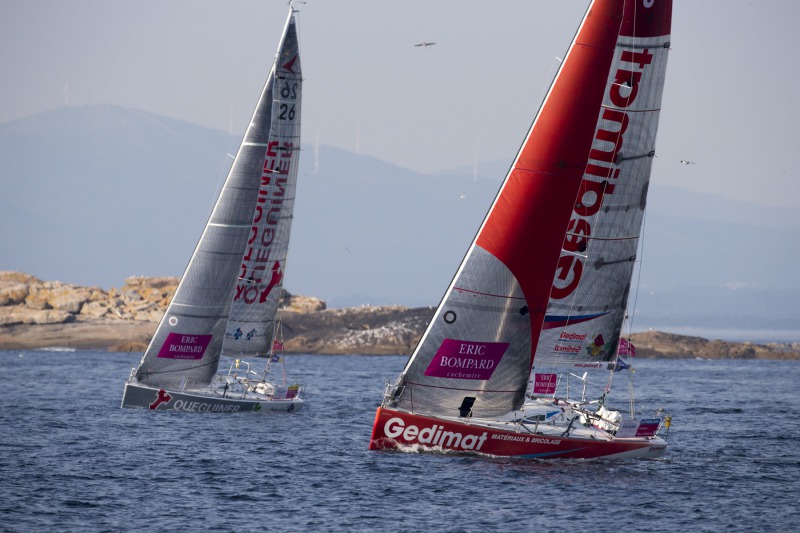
(337, 331)
(755, 336)
(50, 314)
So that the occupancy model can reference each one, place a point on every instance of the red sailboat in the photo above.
(542, 292)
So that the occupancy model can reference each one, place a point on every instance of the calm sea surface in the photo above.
(72, 460)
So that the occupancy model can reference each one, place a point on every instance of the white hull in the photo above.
(141, 396)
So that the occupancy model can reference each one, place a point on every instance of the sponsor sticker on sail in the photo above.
(457, 359)
(180, 346)
(544, 383)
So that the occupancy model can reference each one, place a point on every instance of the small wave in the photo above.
(56, 349)
(242, 497)
(79, 503)
(777, 461)
(717, 411)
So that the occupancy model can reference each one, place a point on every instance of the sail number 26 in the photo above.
(287, 111)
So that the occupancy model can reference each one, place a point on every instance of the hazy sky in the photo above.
(730, 103)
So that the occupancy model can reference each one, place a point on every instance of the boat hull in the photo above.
(140, 396)
(402, 430)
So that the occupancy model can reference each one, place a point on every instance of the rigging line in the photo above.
(631, 392)
(460, 388)
(638, 274)
(549, 81)
(506, 297)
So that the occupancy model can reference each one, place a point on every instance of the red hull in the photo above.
(398, 430)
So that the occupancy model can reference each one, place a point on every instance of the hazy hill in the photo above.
(94, 194)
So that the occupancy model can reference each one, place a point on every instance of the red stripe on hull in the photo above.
(398, 430)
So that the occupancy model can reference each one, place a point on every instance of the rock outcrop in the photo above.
(36, 313)
(25, 299)
(360, 330)
(670, 345)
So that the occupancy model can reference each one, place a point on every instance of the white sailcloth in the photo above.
(185, 349)
(589, 299)
(251, 328)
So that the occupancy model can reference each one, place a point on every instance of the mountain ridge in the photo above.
(93, 193)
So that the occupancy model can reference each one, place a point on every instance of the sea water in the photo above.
(72, 460)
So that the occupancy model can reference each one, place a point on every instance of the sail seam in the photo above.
(459, 388)
(593, 237)
(489, 294)
(628, 110)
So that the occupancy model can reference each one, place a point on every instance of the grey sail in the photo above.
(251, 326)
(476, 346)
(185, 349)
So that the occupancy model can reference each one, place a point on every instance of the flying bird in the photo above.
(685, 162)
(424, 44)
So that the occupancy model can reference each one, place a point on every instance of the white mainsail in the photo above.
(256, 199)
(589, 299)
(251, 328)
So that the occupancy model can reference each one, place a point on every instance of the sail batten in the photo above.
(259, 145)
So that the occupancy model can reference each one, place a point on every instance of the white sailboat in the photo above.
(228, 297)
(543, 290)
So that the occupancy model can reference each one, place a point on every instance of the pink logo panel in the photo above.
(180, 346)
(544, 383)
(648, 427)
(466, 359)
